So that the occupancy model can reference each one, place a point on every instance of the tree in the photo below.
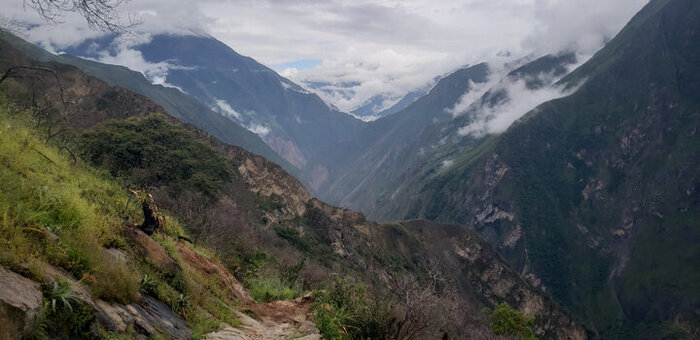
(99, 14)
(507, 321)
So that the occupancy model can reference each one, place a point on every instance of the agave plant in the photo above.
(61, 292)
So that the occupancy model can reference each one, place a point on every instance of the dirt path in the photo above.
(274, 320)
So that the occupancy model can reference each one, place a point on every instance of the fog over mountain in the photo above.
(361, 49)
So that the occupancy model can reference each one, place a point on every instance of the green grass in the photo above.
(44, 194)
(271, 288)
(65, 213)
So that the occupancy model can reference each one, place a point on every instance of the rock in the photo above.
(149, 316)
(20, 302)
(227, 333)
(79, 292)
(215, 271)
(152, 251)
(116, 255)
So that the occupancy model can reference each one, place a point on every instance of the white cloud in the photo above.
(378, 46)
(581, 26)
(224, 108)
(258, 129)
(494, 119)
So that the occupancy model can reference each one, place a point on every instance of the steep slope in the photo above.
(174, 102)
(261, 221)
(294, 122)
(394, 155)
(345, 169)
(376, 107)
(594, 196)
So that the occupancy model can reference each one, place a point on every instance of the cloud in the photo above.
(378, 46)
(494, 118)
(258, 129)
(582, 26)
(224, 108)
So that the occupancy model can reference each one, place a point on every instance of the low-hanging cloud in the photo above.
(494, 118)
(385, 47)
(582, 26)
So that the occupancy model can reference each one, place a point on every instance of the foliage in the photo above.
(271, 288)
(151, 151)
(507, 321)
(293, 236)
(348, 311)
(116, 282)
(65, 310)
(60, 295)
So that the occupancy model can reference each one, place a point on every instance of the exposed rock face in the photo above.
(20, 301)
(211, 268)
(152, 251)
(149, 316)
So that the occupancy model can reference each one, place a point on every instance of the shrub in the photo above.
(152, 151)
(65, 311)
(266, 289)
(507, 321)
(348, 311)
(116, 282)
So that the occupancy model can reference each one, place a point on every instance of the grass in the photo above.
(57, 212)
(63, 212)
(271, 288)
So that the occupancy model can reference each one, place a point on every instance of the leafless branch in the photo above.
(99, 14)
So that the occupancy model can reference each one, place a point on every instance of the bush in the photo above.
(151, 151)
(116, 282)
(348, 311)
(507, 321)
(66, 312)
(266, 289)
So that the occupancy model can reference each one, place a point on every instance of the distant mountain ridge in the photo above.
(172, 100)
(291, 120)
(592, 196)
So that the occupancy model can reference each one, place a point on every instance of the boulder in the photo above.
(149, 316)
(20, 303)
(146, 247)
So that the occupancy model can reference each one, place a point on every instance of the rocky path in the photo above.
(274, 320)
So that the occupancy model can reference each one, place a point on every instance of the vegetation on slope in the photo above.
(58, 212)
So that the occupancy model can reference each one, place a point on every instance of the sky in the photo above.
(356, 49)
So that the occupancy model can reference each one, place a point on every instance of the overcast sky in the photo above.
(380, 46)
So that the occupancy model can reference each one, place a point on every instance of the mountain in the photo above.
(376, 107)
(222, 215)
(396, 153)
(174, 102)
(345, 166)
(292, 121)
(592, 196)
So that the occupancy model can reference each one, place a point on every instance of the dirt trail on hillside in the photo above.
(274, 320)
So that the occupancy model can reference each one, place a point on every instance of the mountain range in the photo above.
(564, 185)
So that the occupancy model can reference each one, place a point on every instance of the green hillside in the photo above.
(594, 196)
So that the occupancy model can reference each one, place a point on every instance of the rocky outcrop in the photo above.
(148, 316)
(149, 249)
(216, 271)
(20, 303)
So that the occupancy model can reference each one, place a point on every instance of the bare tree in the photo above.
(99, 14)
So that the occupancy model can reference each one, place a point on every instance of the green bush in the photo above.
(348, 311)
(266, 289)
(152, 151)
(507, 321)
(116, 282)
(65, 311)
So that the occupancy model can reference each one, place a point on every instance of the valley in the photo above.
(549, 196)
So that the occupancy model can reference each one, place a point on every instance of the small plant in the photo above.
(148, 284)
(65, 310)
(60, 295)
(181, 304)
